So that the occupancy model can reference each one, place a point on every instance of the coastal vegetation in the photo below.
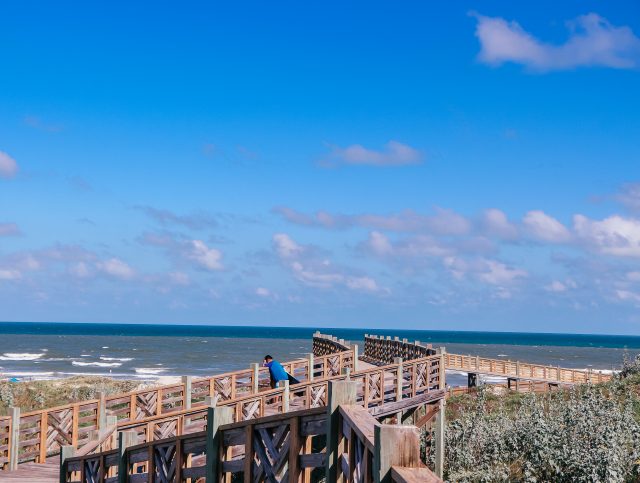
(32, 395)
(590, 433)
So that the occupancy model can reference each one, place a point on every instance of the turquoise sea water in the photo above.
(50, 350)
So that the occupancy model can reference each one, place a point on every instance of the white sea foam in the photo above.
(149, 370)
(120, 359)
(97, 364)
(20, 356)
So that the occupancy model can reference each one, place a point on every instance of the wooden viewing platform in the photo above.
(392, 378)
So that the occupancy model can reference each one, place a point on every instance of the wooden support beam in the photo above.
(14, 443)
(186, 396)
(340, 393)
(255, 377)
(439, 436)
(125, 439)
(216, 417)
(395, 445)
(66, 452)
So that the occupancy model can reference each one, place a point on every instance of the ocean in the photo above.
(157, 352)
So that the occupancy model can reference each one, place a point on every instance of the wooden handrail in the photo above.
(42, 432)
(264, 449)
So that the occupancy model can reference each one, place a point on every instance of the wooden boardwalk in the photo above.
(389, 372)
(34, 472)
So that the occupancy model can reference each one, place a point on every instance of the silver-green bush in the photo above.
(588, 434)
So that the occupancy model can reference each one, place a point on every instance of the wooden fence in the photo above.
(36, 435)
(383, 350)
(419, 380)
(302, 446)
(522, 370)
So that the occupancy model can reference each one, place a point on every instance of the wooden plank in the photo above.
(413, 475)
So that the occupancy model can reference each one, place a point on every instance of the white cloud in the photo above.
(9, 229)
(9, 274)
(441, 222)
(614, 235)
(116, 268)
(205, 257)
(365, 284)
(263, 292)
(80, 270)
(627, 296)
(8, 166)
(393, 154)
(498, 273)
(379, 244)
(496, 224)
(633, 276)
(545, 228)
(592, 41)
(285, 246)
(556, 286)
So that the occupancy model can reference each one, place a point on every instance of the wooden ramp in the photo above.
(34, 472)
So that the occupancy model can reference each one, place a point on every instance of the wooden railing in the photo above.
(376, 386)
(522, 370)
(301, 446)
(324, 344)
(384, 350)
(36, 435)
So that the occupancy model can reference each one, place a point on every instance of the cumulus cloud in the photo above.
(495, 223)
(394, 153)
(414, 247)
(614, 235)
(285, 246)
(545, 228)
(441, 222)
(193, 221)
(204, 256)
(116, 268)
(320, 273)
(593, 41)
(489, 271)
(558, 287)
(8, 166)
(9, 229)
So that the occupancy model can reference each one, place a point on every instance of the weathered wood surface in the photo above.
(42, 433)
(280, 448)
(33, 473)
(413, 475)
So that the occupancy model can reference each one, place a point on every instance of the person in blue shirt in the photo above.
(277, 372)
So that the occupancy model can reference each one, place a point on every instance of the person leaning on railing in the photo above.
(277, 372)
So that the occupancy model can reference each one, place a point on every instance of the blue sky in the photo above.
(419, 165)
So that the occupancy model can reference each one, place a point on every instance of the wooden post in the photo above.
(102, 410)
(311, 363)
(285, 395)
(210, 401)
(125, 439)
(186, 395)
(44, 429)
(439, 436)
(394, 446)
(216, 417)
(355, 357)
(66, 452)
(340, 392)
(399, 378)
(443, 368)
(15, 439)
(255, 377)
